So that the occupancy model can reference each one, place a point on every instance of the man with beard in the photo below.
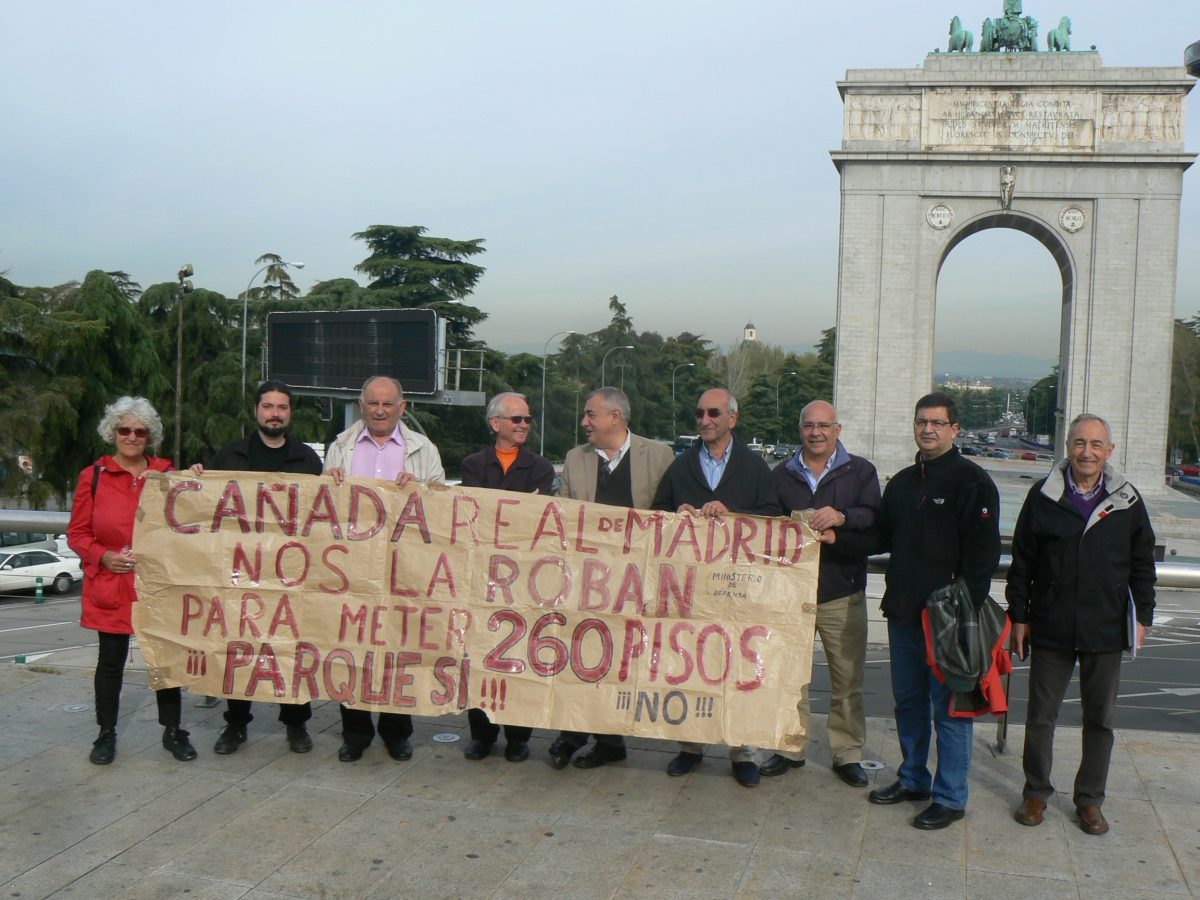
(506, 466)
(380, 446)
(267, 449)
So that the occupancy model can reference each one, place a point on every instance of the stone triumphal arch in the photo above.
(1088, 160)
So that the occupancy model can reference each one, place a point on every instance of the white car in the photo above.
(20, 571)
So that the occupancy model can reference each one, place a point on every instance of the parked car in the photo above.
(1045, 457)
(784, 451)
(999, 454)
(969, 450)
(20, 571)
(1029, 455)
(1191, 469)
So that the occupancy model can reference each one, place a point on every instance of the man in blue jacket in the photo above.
(843, 492)
(1083, 565)
(718, 475)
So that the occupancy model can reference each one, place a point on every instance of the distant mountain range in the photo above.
(973, 364)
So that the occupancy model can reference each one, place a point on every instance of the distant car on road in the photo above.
(999, 454)
(1192, 469)
(783, 451)
(1045, 457)
(21, 571)
(969, 450)
(1029, 455)
(684, 442)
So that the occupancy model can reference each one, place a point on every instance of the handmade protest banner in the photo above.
(431, 599)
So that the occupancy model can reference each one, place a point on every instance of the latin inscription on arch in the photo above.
(1044, 121)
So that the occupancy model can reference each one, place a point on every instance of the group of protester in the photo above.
(1080, 587)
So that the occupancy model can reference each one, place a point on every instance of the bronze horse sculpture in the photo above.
(1060, 38)
(960, 40)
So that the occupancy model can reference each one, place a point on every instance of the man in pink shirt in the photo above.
(380, 446)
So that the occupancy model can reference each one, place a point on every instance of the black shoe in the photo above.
(683, 764)
(516, 751)
(937, 816)
(231, 737)
(104, 748)
(298, 739)
(477, 750)
(349, 753)
(175, 739)
(560, 753)
(852, 773)
(746, 774)
(399, 750)
(778, 765)
(600, 755)
(896, 793)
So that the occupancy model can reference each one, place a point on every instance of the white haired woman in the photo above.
(101, 532)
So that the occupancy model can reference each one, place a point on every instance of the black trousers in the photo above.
(237, 712)
(359, 731)
(484, 729)
(578, 738)
(1099, 679)
(110, 672)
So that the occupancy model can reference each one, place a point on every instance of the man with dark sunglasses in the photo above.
(618, 468)
(718, 475)
(267, 449)
(508, 466)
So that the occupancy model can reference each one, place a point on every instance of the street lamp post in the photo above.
(246, 307)
(185, 287)
(604, 360)
(674, 433)
(777, 382)
(545, 348)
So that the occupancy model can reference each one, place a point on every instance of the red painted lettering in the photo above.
(501, 581)
(726, 650)
(681, 651)
(583, 671)
(595, 581)
(266, 668)
(263, 499)
(457, 520)
(169, 506)
(329, 564)
(442, 575)
(305, 558)
(357, 494)
(323, 511)
(188, 614)
(564, 581)
(242, 562)
(496, 661)
(284, 616)
(752, 657)
(367, 691)
(231, 506)
(403, 679)
(668, 589)
(237, 655)
(634, 646)
(307, 661)
(342, 691)
(551, 513)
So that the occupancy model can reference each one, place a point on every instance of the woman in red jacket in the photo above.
(101, 532)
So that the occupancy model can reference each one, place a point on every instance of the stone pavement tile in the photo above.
(197, 819)
(55, 873)
(578, 861)
(109, 879)
(375, 772)
(428, 778)
(814, 810)
(274, 829)
(712, 806)
(990, 885)
(905, 843)
(998, 844)
(471, 853)
(636, 799)
(361, 851)
(888, 880)
(259, 894)
(1169, 765)
(169, 886)
(685, 868)
(73, 808)
(1134, 855)
(1181, 823)
(527, 789)
(16, 677)
(774, 873)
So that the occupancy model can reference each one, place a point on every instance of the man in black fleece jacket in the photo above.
(718, 475)
(940, 522)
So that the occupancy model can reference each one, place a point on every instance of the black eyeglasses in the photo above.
(126, 431)
(518, 420)
(712, 412)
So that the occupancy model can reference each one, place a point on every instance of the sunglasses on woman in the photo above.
(126, 431)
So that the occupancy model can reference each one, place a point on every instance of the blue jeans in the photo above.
(916, 692)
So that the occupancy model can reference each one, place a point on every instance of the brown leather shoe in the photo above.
(1031, 811)
(1091, 819)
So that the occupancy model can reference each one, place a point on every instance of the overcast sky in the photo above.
(675, 154)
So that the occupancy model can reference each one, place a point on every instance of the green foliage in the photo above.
(1183, 434)
(1041, 405)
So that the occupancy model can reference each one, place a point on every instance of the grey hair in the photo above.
(1089, 417)
(614, 398)
(495, 407)
(732, 406)
(811, 403)
(138, 408)
(362, 395)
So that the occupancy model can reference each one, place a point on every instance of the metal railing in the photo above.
(1170, 574)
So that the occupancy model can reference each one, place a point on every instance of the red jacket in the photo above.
(101, 523)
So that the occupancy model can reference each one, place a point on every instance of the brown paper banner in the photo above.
(431, 600)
